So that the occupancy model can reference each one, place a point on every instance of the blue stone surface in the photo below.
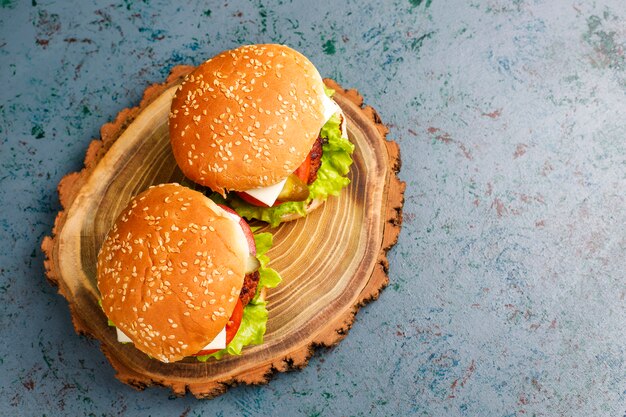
(508, 283)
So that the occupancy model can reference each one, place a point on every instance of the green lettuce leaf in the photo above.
(331, 178)
(268, 277)
(254, 320)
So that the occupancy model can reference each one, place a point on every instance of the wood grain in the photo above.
(332, 262)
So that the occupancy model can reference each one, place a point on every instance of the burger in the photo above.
(180, 276)
(257, 126)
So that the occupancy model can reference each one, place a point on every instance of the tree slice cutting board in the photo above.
(332, 262)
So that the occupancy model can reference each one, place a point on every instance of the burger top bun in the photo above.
(247, 118)
(170, 271)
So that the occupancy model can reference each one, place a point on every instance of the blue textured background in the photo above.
(508, 285)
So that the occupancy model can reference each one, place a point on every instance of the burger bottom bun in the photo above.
(315, 203)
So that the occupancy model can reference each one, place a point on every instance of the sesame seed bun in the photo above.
(170, 271)
(247, 118)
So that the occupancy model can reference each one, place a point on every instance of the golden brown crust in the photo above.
(247, 118)
(170, 271)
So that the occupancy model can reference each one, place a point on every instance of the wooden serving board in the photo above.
(332, 262)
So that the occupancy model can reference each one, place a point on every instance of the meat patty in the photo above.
(316, 156)
(316, 159)
(248, 290)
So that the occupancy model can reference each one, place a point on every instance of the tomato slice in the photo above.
(250, 200)
(245, 227)
(304, 169)
(231, 328)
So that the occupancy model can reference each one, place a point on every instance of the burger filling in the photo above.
(295, 187)
(254, 316)
(323, 173)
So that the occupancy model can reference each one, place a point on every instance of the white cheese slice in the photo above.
(344, 130)
(267, 195)
(330, 107)
(121, 337)
(218, 343)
